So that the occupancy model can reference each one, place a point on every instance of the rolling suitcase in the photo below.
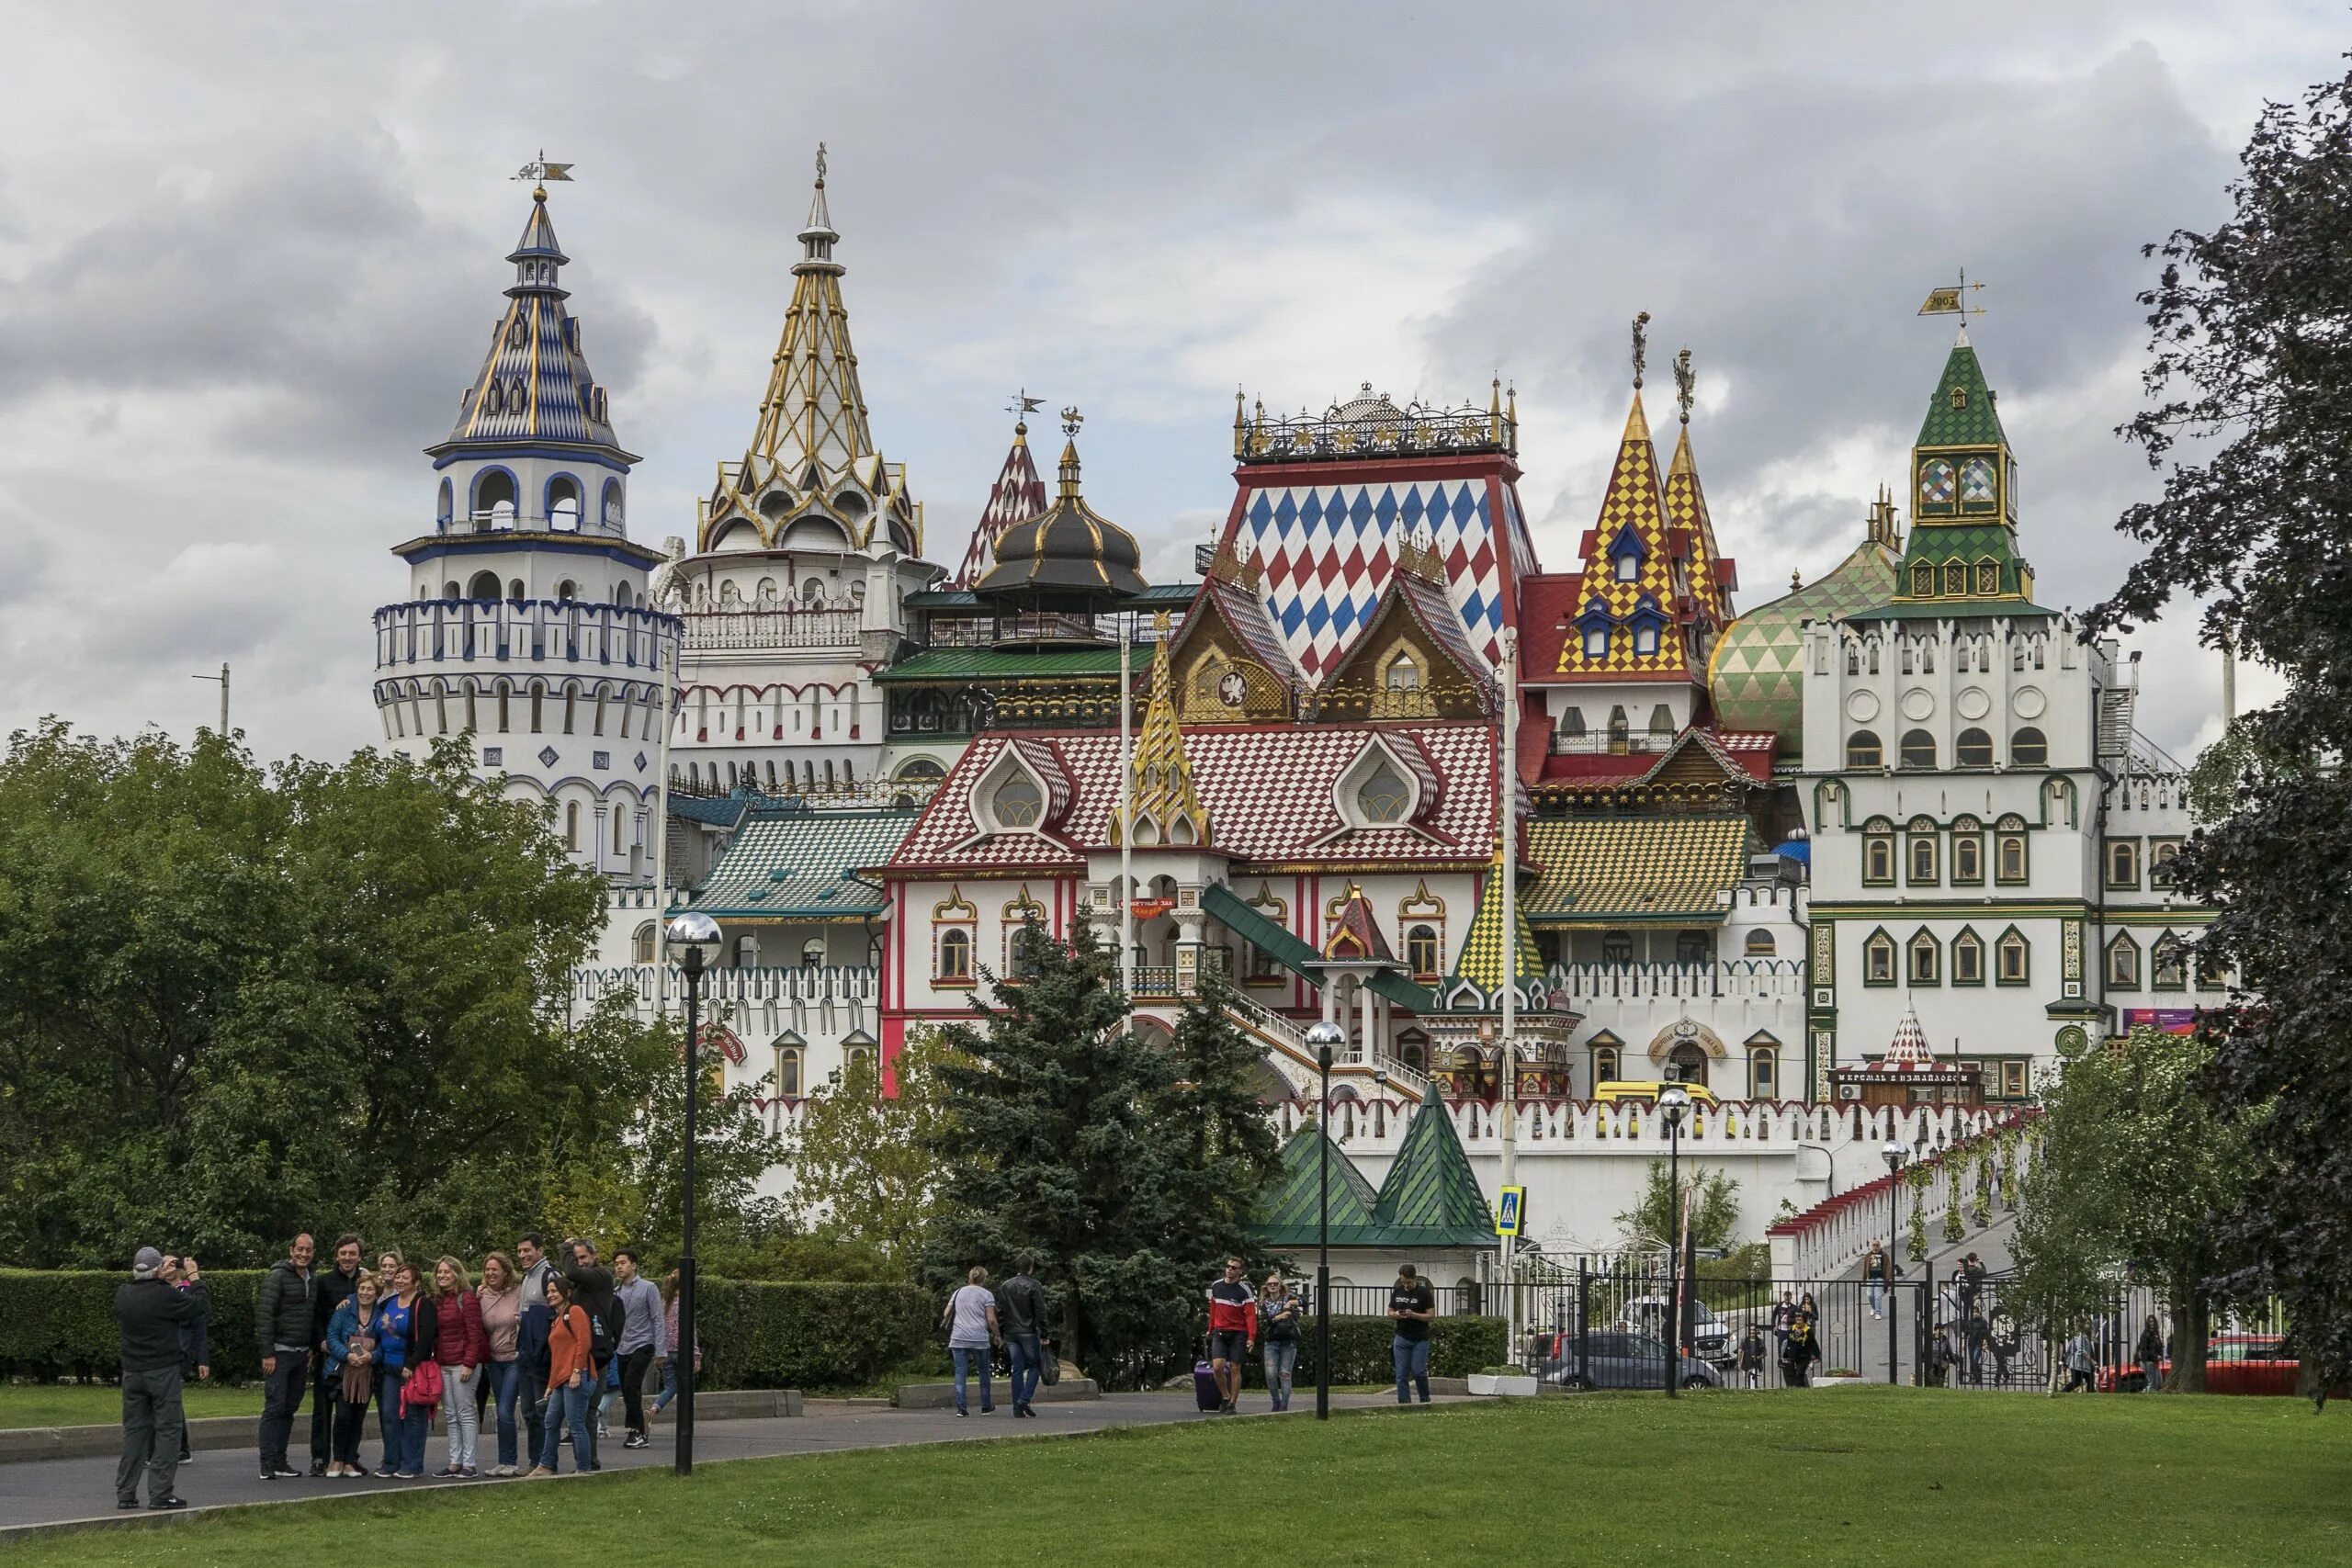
(1206, 1392)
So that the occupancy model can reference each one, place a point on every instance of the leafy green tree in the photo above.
(2250, 392)
(864, 1170)
(1127, 1165)
(1710, 1207)
(2134, 1164)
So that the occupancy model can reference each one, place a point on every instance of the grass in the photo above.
(100, 1405)
(1868, 1475)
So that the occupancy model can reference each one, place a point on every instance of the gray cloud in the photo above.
(234, 306)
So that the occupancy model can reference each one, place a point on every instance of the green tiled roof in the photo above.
(1976, 422)
(801, 865)
(1430, 1199)
(1623, 870)
(1164, 596)
(1291, 952)
(942, 664)
(1757, 672)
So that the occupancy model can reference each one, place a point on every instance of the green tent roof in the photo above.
(1975, 422)
(1289, 1207)
(1430, 1199)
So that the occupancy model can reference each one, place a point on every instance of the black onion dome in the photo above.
(1067, 552)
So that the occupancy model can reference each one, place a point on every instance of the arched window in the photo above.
(1628, 564)
(1922, 853)
(1421, 951)
(2123, 863)
(1595, 642)
(2010, 863)
(787, 1073)
(641, 946)
(812, 593)
(858, 1059)
(2029, 748)
(1967, 959)
(1604, 1063)
(2011, 959)
(494, 497)
(1383, 797)
(1878, 960)
(2123, 964)
(1645, 638)
(1017, 802)
(1620, 731)
(1972, 750)
(515, 590)
(566, 591)
(1862, 749)
(1617, 949)
(1918, 748)
(1926, 965)
(572, 825)
(613, 509)
(563, 503)
(812, 953)
(2168, 963)
(1761, 945)
(954, 954)
(483, 586)
(1763, 1073)
(1878, 852)
(445, 505)
(1404, 675)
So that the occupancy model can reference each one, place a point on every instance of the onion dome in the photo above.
(1755, 675)
(1068, 557)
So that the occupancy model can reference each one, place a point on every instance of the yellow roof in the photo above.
(1612, 870)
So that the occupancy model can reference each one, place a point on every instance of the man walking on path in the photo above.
(282, 1326)
(1878, 1272)
(1021, 1315)
(334, 1288)
(148, 1313)
(1233, 1333)
(644, 1339)
(1412, 1305)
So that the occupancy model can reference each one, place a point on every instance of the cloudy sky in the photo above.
(249, 255)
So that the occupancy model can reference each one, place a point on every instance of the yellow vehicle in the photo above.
(1620, 1091)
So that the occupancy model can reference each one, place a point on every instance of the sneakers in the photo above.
(448, 1473)
(318, 1468)
(535, 1472)
(385, 1473)
(469, 1472)
(961, 1411)
(637, 1440)
(167, 1503)
(502, 1471)
(403, 1475)
(602, 1430)
(281, 1473)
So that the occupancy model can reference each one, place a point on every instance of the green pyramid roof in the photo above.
(1431, 1198)
(1975, 422)
(1289, 1208)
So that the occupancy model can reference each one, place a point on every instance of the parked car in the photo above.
(1628, 1090)
(2234, 1363)
(1619, 1360)
(1711, 1337)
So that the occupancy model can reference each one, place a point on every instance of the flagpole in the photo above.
(1506, 776)
(1126, 809)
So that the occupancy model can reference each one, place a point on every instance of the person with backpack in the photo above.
(592, 1291)
(1278, 1320)
(572, 1375)
(1750, 1359)
(1800, 1353)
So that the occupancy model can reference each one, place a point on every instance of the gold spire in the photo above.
(814, 411)
(1167, 808)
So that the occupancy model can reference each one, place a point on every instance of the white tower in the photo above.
(528, 631)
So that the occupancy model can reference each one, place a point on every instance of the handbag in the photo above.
(359, 1376)
(423, 1389)
(1050, 1365)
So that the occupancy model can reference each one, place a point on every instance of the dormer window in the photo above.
(1384, 797)
(1404, 675)
(1628, 566)
(1645, 639)
(1923, 581)
(1595, 642)
(1017, 802)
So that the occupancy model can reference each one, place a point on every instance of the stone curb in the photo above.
(941, 1395)
(24, 1445)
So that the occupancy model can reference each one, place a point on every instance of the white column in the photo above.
(1366, 998)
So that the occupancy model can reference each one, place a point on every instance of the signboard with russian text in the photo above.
(2168, 1021)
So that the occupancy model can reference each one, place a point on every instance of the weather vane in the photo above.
(539, 171)
(1071, 419)
(1023, 405)
(1641, 347)
(1685, 383)
(1953, 302)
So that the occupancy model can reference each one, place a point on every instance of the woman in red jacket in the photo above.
(459, 1347)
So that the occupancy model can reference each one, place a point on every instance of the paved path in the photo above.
(1869, 1340)
(48, 1492)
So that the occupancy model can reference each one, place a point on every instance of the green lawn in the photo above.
(100, 1405)
(1891, 1476)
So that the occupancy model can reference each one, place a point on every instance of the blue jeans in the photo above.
(569, 1406)
(968, 1357)
(669, 1385)
(1028, 1355)
(1877, 1297)
(403, 1434)
(1282, 1360)
(1412, 1359)
(2152, 1376)
(505, 1384)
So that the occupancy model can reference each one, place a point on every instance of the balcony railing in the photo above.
(505, 521)
(780, 628)
(1597, 743)
(439, 631)
(987, 631)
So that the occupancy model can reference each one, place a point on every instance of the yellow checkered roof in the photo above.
(1634, 501)
(1618, 870)
(1685, 507)
(1481, 959)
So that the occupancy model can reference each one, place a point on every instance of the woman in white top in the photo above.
(970, 1322)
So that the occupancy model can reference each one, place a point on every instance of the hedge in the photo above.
(753, 1335)
(1458, 1347)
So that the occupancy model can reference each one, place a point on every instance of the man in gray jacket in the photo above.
(150, 1312)
(645, 1338)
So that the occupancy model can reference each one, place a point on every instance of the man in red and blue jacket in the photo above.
(1233, 1332)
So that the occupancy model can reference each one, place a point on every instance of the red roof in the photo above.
(1546, 604)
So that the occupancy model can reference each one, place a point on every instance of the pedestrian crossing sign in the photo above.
(1511, 1210)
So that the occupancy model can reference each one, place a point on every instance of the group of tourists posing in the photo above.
(533, 1346)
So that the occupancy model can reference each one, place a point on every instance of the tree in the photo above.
(2250, 389)
(1710, 1207)
(1128, 1166)
(864, 1170)
(2134, 1164)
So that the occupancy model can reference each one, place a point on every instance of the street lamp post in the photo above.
(1893, 1154)
(1674, 1103)
(694, 941)
(1324, 1037)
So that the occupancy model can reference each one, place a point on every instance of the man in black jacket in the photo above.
(149, 1311)
(592, 1287)
(196, 1334)
(333, 1288)
(282, 1328)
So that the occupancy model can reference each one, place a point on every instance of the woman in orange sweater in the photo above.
(572, 1376)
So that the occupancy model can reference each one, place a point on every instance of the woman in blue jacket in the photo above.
(354, 1339)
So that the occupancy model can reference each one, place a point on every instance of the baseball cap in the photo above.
(148, 1261)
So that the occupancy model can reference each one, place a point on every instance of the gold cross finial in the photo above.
(1641, 347)
(1685, 383)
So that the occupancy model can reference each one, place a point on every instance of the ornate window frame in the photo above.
(1966, 943)
(1423, 908)
(1922, 846)
(953, 916)
(1878, 852)
(1923, 959)
(1260, 968)
(1016, 916)
(1967, 853)
(2120, 870)
(2011, 832)
(2168, 950)
(2123, 960)
(2012, 941)
(1882, 964)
